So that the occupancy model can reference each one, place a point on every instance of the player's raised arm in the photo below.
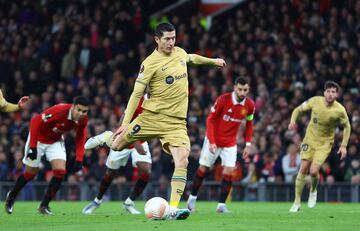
(201, 60)
(138, 92)
(144, 77)
(5, 106)
(305, 106)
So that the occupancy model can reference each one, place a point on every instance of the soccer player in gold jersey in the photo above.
(326, 115)
(5, 106)
(165, 74)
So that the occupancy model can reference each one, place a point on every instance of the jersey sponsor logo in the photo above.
(177, 77)
(228, 118)
(169, 80)
(46, 117)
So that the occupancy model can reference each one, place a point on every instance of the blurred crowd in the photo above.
(55, 50)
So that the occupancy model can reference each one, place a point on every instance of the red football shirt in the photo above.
(49, 126)
(225, 118)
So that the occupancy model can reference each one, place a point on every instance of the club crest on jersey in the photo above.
(243, 111)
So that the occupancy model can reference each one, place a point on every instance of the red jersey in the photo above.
(49, 126)
(225, 118)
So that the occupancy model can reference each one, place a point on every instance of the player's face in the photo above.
(166, 42)
(79, 111)
(241, 91)
(330, 94)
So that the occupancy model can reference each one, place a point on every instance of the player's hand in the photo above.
(212, 148)
(342, 151)
(32, 153)
(220, 62)
(139, 148)
(23, 101)
(292, 126)
(78, 165)
(246, 152)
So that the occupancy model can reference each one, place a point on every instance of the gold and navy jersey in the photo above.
(6, 106)
(323, 120)
(167, 80)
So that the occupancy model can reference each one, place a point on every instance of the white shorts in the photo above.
(51, 151)
(116, 159)
(227, 155)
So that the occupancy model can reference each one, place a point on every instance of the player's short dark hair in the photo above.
(163, 27)
(331, 84)
(241, 80)
(82, 100)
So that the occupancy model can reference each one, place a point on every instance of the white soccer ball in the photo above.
(156, 208)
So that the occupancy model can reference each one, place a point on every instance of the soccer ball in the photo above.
(156, 208)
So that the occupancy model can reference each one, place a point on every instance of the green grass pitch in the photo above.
(244, 216)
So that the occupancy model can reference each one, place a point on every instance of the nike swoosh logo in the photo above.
(164, 68)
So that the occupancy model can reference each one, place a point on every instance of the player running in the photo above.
(326, 115)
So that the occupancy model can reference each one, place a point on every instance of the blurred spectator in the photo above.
(291, 163)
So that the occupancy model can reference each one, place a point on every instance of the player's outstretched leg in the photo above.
(197, 182)
(92, 206)
(98, 140)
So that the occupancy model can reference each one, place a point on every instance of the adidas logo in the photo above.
(230, 110)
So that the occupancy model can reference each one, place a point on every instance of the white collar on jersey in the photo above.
(69, 117)
(233, 97)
